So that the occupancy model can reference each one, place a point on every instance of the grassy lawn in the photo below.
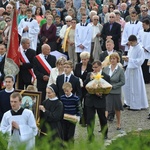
(137, 140)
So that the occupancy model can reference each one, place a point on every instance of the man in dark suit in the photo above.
(2, 61)
(96, 103)
(42, 65)
(124, 12)
(69, 77)
(26, 74)
(111, 30)
(109, 50)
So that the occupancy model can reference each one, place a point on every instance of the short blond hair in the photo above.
(50, 17)
(85, 55)
(69, 62)
(110, 41)
(67, 85)
(31, 88)
(116, 55)
(60, 60)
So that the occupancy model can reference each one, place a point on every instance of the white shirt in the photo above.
(112, 71)
(110, 52)
(96, 30)
(67, 78)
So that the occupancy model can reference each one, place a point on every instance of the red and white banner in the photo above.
(44, 63)
(13, 41)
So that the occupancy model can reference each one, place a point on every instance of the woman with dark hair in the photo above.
(111, 8)
(38, 14)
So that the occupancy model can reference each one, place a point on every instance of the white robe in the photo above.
(83, 35)
(144, 40)
(32, 34)
(130, 29)
(134, 89)
(27, 129)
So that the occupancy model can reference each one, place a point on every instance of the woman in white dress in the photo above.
(58, 70)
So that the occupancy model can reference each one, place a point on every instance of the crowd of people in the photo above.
(86, 33)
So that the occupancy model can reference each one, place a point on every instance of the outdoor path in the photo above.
(130, 121)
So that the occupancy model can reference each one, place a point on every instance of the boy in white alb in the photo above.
(20, 124)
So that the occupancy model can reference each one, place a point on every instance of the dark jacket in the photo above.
(105, 54)
(75, 85)
(2, 70)
(78, 68)
(24, 68)
(115, 32)
(92, 100)
(40, 71)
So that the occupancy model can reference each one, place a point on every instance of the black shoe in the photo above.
(110, 118)
(125, 106)
(149, 115)
(118, 128)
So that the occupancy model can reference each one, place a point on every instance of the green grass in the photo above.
(137, 140)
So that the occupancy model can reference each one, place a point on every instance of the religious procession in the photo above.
(64, 62)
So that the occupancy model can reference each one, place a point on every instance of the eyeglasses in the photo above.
(143, 10)
(111, 17)
(111, 7)
(7, 20)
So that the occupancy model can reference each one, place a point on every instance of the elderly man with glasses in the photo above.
(111, 30)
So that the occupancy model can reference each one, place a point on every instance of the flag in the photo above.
(13, 41)
(12, 61)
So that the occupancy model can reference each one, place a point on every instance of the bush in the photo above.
(136, 140)
(3, 141)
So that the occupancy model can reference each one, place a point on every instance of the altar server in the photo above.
(131, 28)
(20, 124)
(134, 89)
(83, 37)
(143, 39)
(29, 28)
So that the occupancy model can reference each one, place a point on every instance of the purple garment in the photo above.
(49, 33)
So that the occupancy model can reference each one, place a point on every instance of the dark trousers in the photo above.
(91, 111)
(22, 85)
(43, 90)
(68, 130)
(78, 57)
(91, 53)
(145, 70)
